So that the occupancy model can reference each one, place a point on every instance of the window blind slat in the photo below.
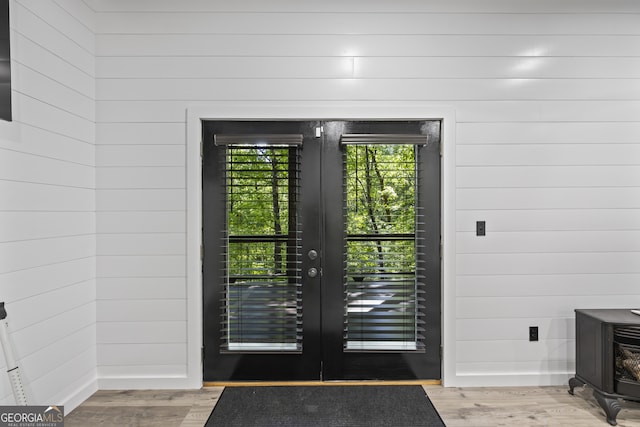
(258, 139)
(262, 295)
(381, 284)
(382, 139)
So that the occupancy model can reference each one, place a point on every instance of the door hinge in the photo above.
(201, 252)
(201, 149)
(441, 149)
(441, 248)
(202, 355)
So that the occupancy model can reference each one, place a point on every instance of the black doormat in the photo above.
(325, 406)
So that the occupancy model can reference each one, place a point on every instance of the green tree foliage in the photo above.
(258, 205)
(380, 200)
(262, 222)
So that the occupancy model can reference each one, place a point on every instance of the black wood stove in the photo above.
(608, 357)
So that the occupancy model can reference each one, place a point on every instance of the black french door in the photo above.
(321, 255)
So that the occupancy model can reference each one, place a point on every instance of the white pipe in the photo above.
(12, 365)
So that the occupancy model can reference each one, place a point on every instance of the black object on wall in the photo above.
(5, 62)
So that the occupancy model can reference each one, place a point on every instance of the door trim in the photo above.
(317, 111)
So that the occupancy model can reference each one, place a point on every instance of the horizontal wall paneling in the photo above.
(550, 219)
(141, 288)
(513, 45)
(546, 97)
(367, 23)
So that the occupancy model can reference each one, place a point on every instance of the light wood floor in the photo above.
(469, 407)
(525, 407)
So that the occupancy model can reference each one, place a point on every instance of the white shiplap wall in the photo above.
(547, 100)
(47, 202)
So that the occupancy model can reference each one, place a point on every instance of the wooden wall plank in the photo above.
(32, 55)
(22, 196)
(550, 219)
(116, 372)
(25, 254)
(487, 6)
(18, 166)
(64, 22)
(475, 352)
(81, 11)
(141, 244)
(549, 176)
(549, 285)
(39, 86)
(142, 354)
(51, 304)
(364, 67)
(327, 44)
(549, 198)
(140, 133)
(41, 363)
(549, 263)
(142, 332)
(42, 225)
(360, 89)
(548, 154)
(141, 266)
(596, 131)
(141, 200)
(54, 120)
(151, 310)
(553, 328)
(140, 177)
(140, 155)
(365, 22)
(136, 288)
(36, 28)
(23, 284)
(140, 222)
(44, 333)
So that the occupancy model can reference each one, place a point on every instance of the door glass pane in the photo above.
(381, 286)
(262, 305)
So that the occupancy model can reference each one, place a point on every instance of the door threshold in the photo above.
(318, 383)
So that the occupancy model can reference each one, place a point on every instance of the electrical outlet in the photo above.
(533, 333)
(481, 228)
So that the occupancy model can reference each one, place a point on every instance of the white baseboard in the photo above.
(83, 393)
(147, 383)
(516, 379)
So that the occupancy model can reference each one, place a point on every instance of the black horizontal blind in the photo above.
(383, 283)
(262, 305)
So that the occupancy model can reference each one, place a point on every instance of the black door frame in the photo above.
(247, 366)
(327, 181)
(391, 365)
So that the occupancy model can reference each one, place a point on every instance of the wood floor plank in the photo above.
(144, 416)
(458, 407)
(525, 407)
(202, 397)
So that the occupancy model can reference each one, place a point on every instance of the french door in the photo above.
(321, 256)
